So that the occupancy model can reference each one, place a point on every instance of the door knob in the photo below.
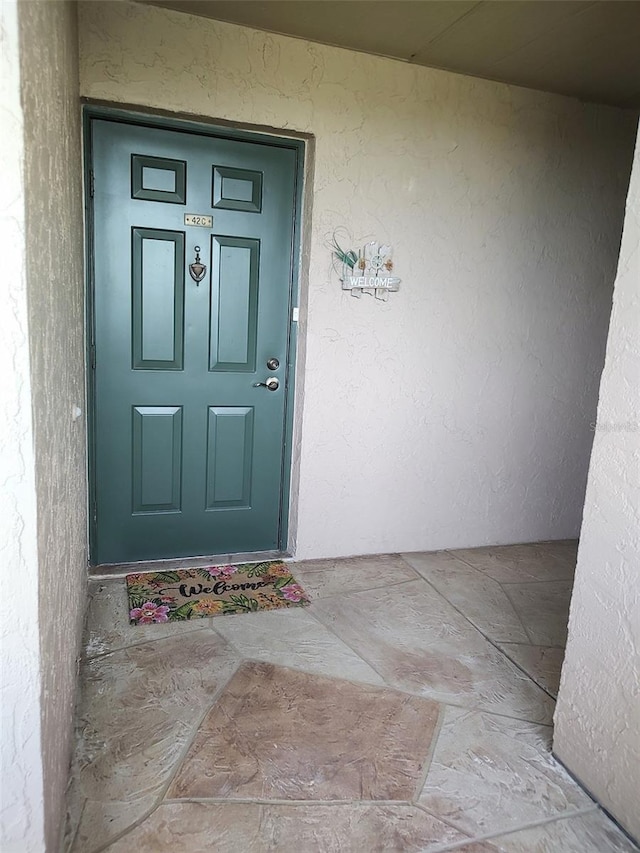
(271, 384)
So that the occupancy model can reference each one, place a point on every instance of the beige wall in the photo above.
(55, 288)
(597, 720)
(458, 412)
(21, 791)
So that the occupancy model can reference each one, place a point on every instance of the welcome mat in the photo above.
(211, 591)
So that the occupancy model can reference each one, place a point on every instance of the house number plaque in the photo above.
(198, 219)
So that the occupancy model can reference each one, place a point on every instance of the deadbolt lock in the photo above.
(273, 364)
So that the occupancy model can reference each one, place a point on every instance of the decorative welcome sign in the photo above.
(368, 271)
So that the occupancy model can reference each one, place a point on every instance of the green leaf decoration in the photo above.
(257, 570)
(167, 577)
(137, 600)
(180, 613)
(349, 258)
(283, 582)
(142, 592)
(243, 603)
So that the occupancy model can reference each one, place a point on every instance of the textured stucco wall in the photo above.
(457, 413)
(21, 811)
(55, 290)
(597, 731)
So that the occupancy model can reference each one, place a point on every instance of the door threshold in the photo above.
(120, 570)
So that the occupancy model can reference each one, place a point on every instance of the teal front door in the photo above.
(192, 245)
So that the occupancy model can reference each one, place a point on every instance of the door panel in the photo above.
(157, 260)
(237, 189)
(234, 304)
(158, 179)
(229, 457)
(188, 452)
(157, 458)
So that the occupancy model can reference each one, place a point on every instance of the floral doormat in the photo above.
(210, 591)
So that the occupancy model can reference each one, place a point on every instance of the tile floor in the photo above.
(409, 708)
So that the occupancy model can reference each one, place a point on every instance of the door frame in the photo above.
(167, 121)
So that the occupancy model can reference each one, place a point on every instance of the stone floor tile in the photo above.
(277, 733)
(477, 596)
(322, 578)
(158, 717)
(102, 821)
(490, 773)
(588, 833)
(537, 561)
(419, 643)
(108, 625)
(300, 828)
(565, 550)
(75, 803)
(294, 638)
(542, 663)
(139, 709)
(543, 609)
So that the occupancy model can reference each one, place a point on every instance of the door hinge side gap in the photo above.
(92, 184)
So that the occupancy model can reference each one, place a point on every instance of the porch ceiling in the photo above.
(588, 50)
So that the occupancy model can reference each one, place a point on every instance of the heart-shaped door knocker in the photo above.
(197, 270)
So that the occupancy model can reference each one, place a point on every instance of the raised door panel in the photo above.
(233, 326)
(158, 179)
(156, 459)
(237, 189)
(229, 457)
(157, 272)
